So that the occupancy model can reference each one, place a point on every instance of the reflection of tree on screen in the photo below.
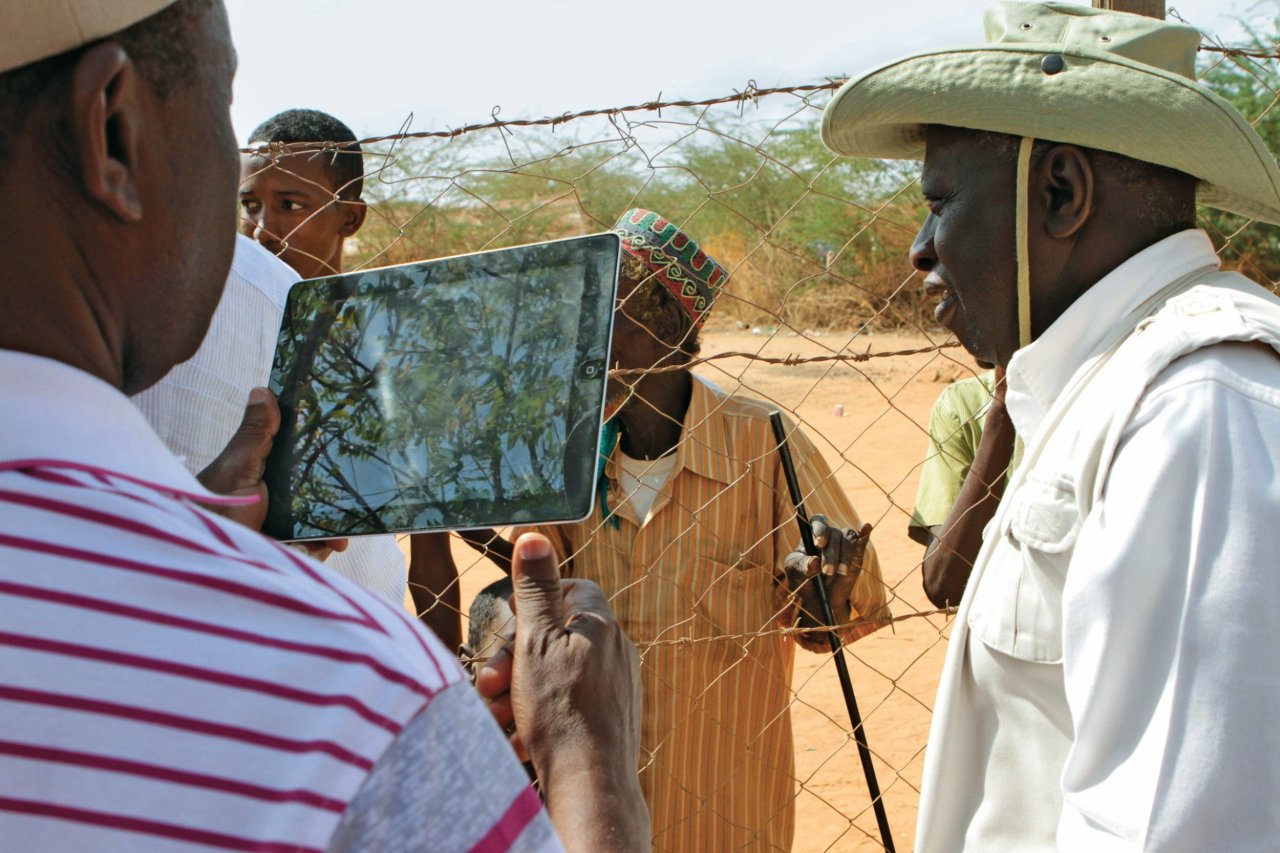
(453, 386)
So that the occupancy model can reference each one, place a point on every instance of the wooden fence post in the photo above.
(1150, 8)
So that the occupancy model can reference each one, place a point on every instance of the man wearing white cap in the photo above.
(1112, 673)
(172, 680)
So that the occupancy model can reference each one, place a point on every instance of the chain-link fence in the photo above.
(823, 318)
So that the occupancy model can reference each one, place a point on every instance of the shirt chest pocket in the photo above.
(1017, 605)
(731, 601)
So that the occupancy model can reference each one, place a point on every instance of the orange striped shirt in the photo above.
(698, 589)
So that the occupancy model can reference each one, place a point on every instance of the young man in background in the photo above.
(302, 204)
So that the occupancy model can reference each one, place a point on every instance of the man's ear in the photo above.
(1066, 180)
(105, 123)
(353, 214)
(672, 328)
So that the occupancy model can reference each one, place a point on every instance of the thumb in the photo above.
(245, 456)
(240, 464)
(818, 526)
(261, 418)
(535, 577)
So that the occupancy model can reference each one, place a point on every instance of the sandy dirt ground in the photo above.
(875, 448)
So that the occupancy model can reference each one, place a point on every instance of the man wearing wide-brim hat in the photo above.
(1112, 675)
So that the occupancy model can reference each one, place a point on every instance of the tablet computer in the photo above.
(450, 394)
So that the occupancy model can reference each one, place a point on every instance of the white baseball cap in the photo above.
(31, 30)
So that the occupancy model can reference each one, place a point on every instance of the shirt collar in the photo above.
(1039, 372)
(703, 447)
(59, 416)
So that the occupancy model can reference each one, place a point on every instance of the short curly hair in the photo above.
(345, 166)
(483, 608)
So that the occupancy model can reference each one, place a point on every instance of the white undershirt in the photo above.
(643, 479)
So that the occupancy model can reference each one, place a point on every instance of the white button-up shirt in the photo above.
(198, 405)
(1113, 689)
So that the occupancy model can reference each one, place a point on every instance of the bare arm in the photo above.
(949, 557)
(433, 584)
(487, 541)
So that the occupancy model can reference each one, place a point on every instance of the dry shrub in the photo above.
(772, 284)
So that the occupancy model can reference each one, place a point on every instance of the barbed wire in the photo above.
(750, 93)
(786, 360)
(1250, 52)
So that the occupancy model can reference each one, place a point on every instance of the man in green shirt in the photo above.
(955, 428)
(971, 442)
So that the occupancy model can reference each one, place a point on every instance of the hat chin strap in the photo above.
(1021, 230)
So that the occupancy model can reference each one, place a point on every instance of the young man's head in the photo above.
(490, 624)
(1019, 227)
(119, 163)
(665, 289)
(302, 206)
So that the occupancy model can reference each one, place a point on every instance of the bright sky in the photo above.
(373, 63)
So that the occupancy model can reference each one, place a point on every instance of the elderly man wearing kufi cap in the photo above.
(1112, 673)
(169, 678)
(693, 540)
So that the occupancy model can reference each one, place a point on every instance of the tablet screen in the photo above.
(453, 393)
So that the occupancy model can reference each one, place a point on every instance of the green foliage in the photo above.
(811, 239)
(1252, 86)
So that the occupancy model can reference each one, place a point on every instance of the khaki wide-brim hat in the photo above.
(31, 30)
(1107, 80)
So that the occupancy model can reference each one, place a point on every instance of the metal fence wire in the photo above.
(823, 318)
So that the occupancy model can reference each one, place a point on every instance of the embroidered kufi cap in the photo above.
(674, 258)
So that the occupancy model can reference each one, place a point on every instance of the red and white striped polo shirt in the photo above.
(169, 680)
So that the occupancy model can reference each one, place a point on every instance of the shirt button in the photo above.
(1052, 64)
(1198, 306)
